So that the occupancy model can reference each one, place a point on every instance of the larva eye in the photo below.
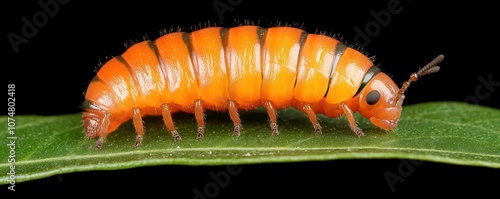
(372, 97)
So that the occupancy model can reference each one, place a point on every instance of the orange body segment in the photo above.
(348, 75)
(182, 86)
(210, 67)
(280, 54)
(315, 65)
(244, 69)
(115, 78)
(100, 93)
(146, 74)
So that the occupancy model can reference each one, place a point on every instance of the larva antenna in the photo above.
(429, 68)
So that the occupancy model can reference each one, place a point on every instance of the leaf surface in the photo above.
(446, 132)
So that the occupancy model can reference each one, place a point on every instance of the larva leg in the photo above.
(169, 123)
(272, 117)
(138, 125)
(352, 121)
(103, 130)
(312, 117)
(233, 113)
(198, 113)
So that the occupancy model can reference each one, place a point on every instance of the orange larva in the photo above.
(241, 68)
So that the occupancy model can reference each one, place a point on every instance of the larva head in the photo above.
(381, 100)
(377, 101)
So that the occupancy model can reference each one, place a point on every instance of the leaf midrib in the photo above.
(118, 154)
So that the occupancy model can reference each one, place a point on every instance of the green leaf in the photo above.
(446, 132)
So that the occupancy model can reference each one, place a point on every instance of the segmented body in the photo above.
(231, 69)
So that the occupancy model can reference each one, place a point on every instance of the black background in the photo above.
(52, 71)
